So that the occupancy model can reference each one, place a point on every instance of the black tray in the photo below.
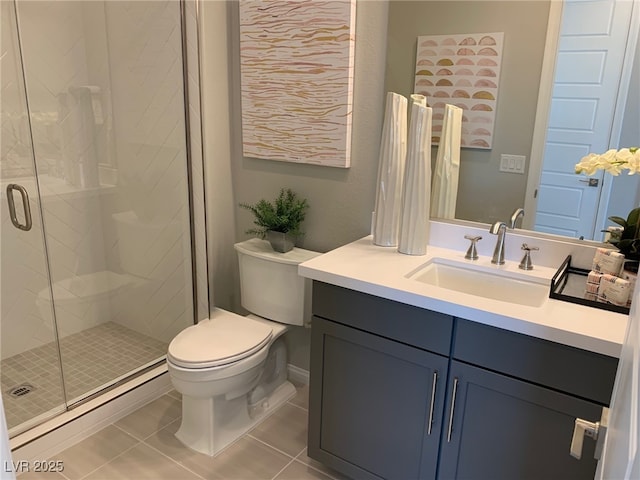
(569, 284)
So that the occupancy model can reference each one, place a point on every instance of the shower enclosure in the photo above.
(96, 239)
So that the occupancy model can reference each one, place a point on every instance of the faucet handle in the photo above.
(472, 252)
(526, 264)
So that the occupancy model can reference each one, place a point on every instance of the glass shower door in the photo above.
(104, 82)
(30, 371)
(96, 258)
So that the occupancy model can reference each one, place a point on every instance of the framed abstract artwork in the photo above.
(296, 62)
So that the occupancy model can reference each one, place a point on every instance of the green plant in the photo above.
(629, 241)
(284, 215)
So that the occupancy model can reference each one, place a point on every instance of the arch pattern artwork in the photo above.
(463, 70)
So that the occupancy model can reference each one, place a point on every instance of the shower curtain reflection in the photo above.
(104, 86)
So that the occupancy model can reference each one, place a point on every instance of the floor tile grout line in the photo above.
(139, 439)
(139, 442)
(173, 459)
(297, 459)
(63, 475)
(109, 461)
(283, 469)
(270, 446)
(316, 469)
(298, 406)
(134, 436)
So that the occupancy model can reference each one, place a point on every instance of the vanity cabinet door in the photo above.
(375, 405)
(503, 428)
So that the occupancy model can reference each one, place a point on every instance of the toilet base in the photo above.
(209, 425)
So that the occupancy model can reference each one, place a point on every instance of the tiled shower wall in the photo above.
(148, 104)
(114, 195)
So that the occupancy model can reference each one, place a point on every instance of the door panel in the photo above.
(621, 456)
(588, 68)
(378, 397)
(30, 364)
(504, 428)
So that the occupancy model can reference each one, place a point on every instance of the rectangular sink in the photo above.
(486, 282)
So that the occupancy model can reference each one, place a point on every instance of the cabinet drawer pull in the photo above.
(453, 406)
(433, 401)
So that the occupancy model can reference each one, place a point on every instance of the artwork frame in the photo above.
(297, 61)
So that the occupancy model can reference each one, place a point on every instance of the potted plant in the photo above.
(614, 162)
(279, 221)
(628, 241)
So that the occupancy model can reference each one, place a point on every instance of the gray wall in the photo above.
(524, 24)
(341, 200)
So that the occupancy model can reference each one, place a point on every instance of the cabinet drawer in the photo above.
(397, 321)
(577, 372)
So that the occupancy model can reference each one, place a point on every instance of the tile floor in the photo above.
(91, 358)
(142, 446)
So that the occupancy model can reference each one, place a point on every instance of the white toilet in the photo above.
(232, 370)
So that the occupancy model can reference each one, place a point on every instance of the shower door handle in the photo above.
(25, 205)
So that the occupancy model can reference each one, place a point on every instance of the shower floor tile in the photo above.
(92, 358)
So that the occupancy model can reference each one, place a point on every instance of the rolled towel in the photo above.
(607, 261)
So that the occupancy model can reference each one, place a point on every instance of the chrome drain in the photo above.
(21, 390)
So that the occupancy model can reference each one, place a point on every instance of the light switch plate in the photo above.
(512, 163)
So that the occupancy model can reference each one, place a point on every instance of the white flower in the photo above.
(612, 161)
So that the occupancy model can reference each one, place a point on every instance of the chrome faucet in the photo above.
(500, 229)
(518, 212)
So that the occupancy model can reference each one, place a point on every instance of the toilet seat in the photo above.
(224, 339)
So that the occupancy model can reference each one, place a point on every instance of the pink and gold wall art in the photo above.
(297, 62)
(462, 70)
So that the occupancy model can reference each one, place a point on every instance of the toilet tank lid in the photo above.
(262, 249)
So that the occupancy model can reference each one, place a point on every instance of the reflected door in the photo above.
(588, 69)
(30, 365)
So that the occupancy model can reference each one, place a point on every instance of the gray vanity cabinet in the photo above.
(503, 428)
(376, 396)
(379, 406)
(515, 403)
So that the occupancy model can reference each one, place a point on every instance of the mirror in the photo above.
(485, 194)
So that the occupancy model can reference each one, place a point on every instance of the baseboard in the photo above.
(298, 375)
(69, 428)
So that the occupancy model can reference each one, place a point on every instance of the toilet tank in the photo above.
(270, 286)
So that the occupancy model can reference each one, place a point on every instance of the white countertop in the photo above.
(383, 272)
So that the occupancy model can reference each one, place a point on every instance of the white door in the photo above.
(592, 42)
(620, 458)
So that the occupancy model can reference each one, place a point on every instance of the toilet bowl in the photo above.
(230, 369)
